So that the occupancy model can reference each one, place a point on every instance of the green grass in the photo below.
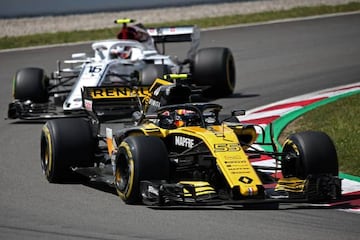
(340, 120)
(89, 35)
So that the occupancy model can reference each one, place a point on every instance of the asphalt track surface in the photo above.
(274, 62)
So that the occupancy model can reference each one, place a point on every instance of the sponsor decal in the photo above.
(245, 179)
(227, 147)
(154, 103)
(117, 92)
(238, 167)
(184, 141)
(88, 105)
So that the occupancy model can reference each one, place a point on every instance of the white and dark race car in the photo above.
(132, 61)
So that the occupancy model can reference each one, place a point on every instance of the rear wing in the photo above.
(115, 102)
(174, 34)
(177, 34)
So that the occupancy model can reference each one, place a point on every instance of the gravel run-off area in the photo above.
(26, 26)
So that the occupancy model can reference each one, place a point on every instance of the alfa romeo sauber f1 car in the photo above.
(182, 154)
(132, 60)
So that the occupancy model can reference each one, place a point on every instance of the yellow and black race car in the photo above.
(183, 154)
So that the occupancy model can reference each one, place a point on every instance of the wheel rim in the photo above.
(46, 161)
(289, 168)
(124, 173)
(230, 73)
(46, 152)
(122, 176)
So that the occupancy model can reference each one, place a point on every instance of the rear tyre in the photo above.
(66, 143)
(31, 84)
(316, 154)
(215, 67)
(139, 158)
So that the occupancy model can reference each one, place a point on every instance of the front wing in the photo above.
(38, 111)
(322, 188)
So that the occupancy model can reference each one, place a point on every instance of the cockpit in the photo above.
(185, 115)
(118, 73)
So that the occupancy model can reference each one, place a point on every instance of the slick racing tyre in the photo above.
(139, 158)
(66, 143)
(316, 154)
(151, 72)
(215, 67)
(31, 84)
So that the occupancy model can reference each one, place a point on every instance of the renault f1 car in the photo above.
(182, 154)
(132, 60)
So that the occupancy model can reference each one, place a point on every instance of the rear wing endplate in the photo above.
(177, 34)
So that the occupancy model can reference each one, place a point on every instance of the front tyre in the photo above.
(312, 157)
(31, 84)
(215, 67)
(139, 158)
(66, 143)
(315, 154)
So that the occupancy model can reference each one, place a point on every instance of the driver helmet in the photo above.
(184, 117)
(123, 52)
(166, 120)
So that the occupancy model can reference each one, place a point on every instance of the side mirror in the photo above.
(78, 56)
(235, 113)
(233, 117)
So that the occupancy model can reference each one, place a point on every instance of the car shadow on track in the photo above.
(232, 96)
(347, 202)
(243, 95)
(282, 207)
(100, 186)
(24, 122)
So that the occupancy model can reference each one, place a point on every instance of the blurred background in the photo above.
(33, 8)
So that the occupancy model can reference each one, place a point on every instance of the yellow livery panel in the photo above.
(230, 158)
